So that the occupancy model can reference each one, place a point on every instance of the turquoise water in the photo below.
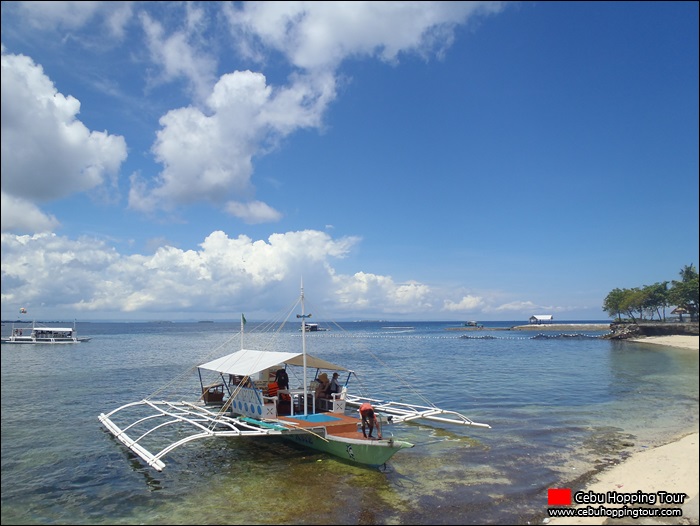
(560, 407)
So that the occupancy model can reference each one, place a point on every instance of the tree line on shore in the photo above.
(650, 301)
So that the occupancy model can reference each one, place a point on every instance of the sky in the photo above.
(402, 160)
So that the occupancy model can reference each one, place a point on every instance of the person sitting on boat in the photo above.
(282, 379)
(334, 386)
(369, 419)
(322, 387)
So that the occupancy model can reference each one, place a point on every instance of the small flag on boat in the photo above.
(23, 311)
(243, 320)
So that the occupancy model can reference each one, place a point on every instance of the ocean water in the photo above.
(561, 408)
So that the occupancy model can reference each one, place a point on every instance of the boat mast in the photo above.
(303, 317)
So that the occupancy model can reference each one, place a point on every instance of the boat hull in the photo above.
(34, 341)
(373, 453)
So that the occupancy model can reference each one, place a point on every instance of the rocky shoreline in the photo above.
(626, 330)
(540, 327)
(562, 327)
(617, 331)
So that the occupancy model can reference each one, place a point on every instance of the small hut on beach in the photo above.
(541, 318)
(680, 311)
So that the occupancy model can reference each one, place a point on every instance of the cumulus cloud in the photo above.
(47, 153)
(48, 15)
(208, 155)
(225, 273)
(253, 212)
(88, 278)
(517, 306)
(466, 304)
(320, 35)
(207, 150)
(365, 291)
(20, 215)
(183, 53)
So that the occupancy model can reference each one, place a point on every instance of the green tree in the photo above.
(633, 301)
(613, 303)
(656, 299)
(686, 293)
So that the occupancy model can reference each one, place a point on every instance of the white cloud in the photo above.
(183, 53)
(466, 304)
(320, 35)
(206, 149)
(86, 278)
(87, 275)
(74, 15)
(370, 292)
(47, 154)
(208, 156)
(253, 212)
(516, 306)
(208, 152)
(20, 215)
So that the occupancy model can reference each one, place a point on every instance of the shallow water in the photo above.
(559, 407)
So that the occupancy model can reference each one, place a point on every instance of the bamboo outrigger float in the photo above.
(237, 406)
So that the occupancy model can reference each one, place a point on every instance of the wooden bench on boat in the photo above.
(213, 394)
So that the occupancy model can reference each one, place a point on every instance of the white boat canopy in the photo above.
(247, 362)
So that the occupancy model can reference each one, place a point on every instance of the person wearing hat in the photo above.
(369, 419)
(334, 386)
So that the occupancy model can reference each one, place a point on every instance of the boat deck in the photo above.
(336, 424)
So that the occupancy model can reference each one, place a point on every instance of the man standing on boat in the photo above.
(369, 418)
(282, 379)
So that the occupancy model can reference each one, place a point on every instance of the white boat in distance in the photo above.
(36, 333)
(244, 400)
(314, 327)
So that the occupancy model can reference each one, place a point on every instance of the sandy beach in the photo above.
(672, 467)
(681, 342)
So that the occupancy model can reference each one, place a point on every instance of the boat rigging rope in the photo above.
(387, 367)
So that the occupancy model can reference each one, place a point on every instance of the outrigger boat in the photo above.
(243, 401)
(22, 333)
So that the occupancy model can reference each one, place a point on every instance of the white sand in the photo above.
(672, 467)
(682, 342)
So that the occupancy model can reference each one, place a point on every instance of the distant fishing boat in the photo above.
(242, 399)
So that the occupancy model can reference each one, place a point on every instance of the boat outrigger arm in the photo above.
(399, 412)
(209, 424)
(206, 424)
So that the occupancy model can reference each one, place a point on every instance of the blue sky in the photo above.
(408, 161)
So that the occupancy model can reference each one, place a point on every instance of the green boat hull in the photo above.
(373, 453)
